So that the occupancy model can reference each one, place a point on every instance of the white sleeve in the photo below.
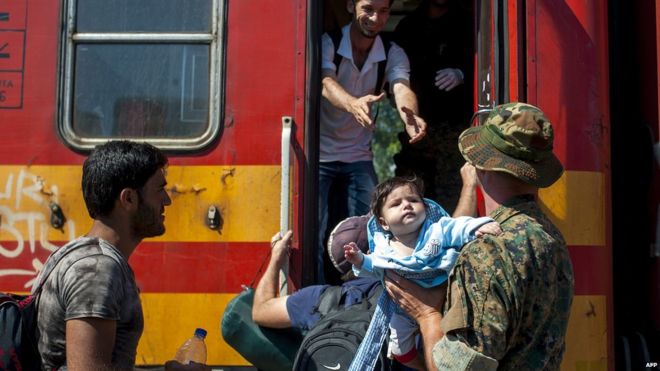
(327, 53)
(398, 66)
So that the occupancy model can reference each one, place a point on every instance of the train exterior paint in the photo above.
(557, 58)
(260, 59)
(186, 276)
(571, 85)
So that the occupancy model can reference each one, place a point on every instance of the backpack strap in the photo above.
(380, 85)
(336, 36)
(374, 295)
(329, 300)
(57, 256)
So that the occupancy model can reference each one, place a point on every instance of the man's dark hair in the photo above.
(385, 188)
(114, 166)
(355, 2)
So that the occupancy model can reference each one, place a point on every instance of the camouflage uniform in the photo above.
(509, 296)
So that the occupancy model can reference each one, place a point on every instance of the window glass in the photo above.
(134, 90)
(142, 69)
(143, 16)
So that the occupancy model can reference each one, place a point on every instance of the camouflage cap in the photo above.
(517, 139)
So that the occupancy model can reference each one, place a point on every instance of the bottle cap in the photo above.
(200, 332)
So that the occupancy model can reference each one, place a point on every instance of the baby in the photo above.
(417, 239)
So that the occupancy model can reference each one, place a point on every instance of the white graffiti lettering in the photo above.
(24, 221)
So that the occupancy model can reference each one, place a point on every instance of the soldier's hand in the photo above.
(448, 78)
(415, 125)
(417, 301)
(469, 176)
(360, 108)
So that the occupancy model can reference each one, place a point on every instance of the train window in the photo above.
(142, 70)
(143, 16)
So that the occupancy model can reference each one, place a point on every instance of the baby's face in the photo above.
(403, 211)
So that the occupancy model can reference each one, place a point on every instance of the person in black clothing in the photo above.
(437, 37)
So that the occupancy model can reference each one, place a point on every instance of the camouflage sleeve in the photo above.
(452, 354)
(481, 300)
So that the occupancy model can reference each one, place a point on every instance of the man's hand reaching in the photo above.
(361, 107)
(415, 125)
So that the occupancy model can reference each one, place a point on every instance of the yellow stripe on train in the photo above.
(586, 339)
(247, 196)
(576, 205)
(170, 319)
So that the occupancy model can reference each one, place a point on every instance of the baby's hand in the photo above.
(353, 254)
(489, 228)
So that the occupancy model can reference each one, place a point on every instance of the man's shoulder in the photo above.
(85, 248)
(485, 249)
(87, 255)
(532, 225)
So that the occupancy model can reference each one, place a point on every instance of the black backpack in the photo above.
(332, 343)
(18, 344)
(336, 36)
(18, 322)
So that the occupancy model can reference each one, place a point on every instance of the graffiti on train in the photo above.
(25, 219)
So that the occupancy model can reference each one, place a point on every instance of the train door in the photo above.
(634, 95)
(554, 55)
(210, 82)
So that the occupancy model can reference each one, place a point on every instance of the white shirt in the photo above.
(341, 137)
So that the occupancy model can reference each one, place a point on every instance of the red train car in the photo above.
(215, 82)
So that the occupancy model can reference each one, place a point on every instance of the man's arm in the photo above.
(467, 203)
(359, 107)
(89, 344)
(406, 103)
(268, 309)
(423, 305)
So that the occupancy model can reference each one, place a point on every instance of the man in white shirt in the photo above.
(348, 118)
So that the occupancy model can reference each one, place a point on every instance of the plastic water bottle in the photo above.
(193, 349)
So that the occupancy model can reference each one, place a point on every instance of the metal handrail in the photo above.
(285, 191)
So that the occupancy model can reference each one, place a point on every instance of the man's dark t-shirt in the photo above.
(301, 305)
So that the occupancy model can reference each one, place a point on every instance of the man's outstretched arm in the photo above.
(269, 309)
(359, 107)
(406, 103)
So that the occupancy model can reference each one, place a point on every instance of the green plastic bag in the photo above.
(267, 349)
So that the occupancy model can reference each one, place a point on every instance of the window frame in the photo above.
(214, 39)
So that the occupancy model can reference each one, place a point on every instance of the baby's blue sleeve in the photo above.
(460, 230)
(367, 269)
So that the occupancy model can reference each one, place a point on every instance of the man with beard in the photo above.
(348, 117)
(437, 37)
(89, 314)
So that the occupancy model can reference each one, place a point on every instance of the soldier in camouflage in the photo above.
(510, 295)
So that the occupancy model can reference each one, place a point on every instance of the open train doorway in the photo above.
(438, 37)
